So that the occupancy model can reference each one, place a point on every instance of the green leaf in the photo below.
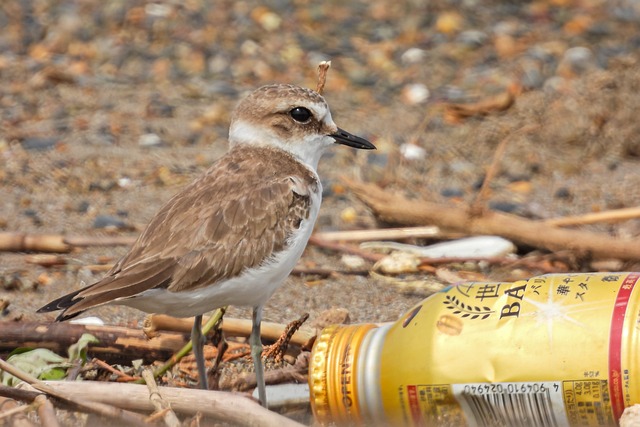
(78, 351)
(40, 363)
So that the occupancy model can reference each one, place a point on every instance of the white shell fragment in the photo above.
(470, 247)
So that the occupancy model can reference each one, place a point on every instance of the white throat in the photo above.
(308, 149)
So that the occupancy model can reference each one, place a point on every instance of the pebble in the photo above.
(108, 221)
(450, 192)
(413, 152)
(413, 55)
(576, 61)
(504, 206)
(472, 38)
(563, 193)
(415, 93)
(39, 144)
(149, 140)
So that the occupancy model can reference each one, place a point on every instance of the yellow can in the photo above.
(553, 350)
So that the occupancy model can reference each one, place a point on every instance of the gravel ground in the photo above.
(107, 108)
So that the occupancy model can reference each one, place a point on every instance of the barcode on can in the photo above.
(530, 404)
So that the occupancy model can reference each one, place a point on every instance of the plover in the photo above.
(233, 235)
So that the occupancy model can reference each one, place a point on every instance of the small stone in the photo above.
(39, 144)
(503, 206)
(415, 93)
(472, 38)
(563, 193)
(576, 61)
(149, 140)
(108, 221)
(413, 152)
(413, 56)
(451, 192)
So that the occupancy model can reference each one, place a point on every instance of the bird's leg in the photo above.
(256, 353)
(197, 343)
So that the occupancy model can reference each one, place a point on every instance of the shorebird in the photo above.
(233, 235)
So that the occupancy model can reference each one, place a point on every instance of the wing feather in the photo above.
(241, 212)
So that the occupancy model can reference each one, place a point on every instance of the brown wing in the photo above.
(241, 212)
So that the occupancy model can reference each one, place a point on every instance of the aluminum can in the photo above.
(553, 350)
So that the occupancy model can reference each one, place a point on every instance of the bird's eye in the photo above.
(300, 114)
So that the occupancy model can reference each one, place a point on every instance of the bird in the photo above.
(233, 235)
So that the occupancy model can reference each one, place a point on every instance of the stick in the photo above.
(156, 399)
(117, 344)
(230, 326)
(235, 409)
(397, 209)
(591, 218)
(279, 348)
(339, 247)
(14, 413)
(323, 67)
(478, 204)
(84, 241)
(46, 412)
(81, 401)
(380, 234)
(23, 242)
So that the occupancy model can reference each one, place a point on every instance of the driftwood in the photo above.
(233, 327)
(395, 208)
(23, 242)
(235, 409)
(158, 402)
(380, 234)
(613, 215)
(78, 402)
(117, 344)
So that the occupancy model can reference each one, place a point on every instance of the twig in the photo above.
(46, 412)
(18, 409)
(156, 399)
(23, 242)
(121, 375)
(591, 218)
(380, 234)
(279, 348)
(340, 247)
(323, 67)
(84, 241)
(326, 272)
(477, 206)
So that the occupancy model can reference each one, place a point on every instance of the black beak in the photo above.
(345, 138)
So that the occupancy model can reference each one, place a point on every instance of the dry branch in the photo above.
(233, 408)
(23, 242)
(158, 402)
(80, 402)
(380, 234)
(592, 218)
(117, 344)
(230, 326)
(46, 412)
(323, 68)
(397, 209)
